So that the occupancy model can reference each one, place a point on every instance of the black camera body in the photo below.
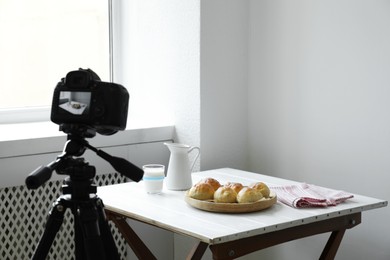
(82, 100)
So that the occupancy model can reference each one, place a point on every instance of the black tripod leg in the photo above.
(108, 239)
(88, 238)
(53, 224)
(78, 239)
(95, 236)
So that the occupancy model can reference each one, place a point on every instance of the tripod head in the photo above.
(83, 105)
(77, 168)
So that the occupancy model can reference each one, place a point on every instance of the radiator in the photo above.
(23, 218)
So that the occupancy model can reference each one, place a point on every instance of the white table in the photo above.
(229, 235)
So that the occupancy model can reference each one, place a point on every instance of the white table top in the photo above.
(169, 210)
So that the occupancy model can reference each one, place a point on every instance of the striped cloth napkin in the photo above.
(307, 195)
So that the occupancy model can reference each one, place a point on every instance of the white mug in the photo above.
(153, 178)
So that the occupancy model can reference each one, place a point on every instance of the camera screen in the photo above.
(74, 102)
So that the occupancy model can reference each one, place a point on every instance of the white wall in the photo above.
(224, 79)
(317, 103)
(319, 107)
(157, 59)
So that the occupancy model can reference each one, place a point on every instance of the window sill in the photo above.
(23, 147)
(44, 137)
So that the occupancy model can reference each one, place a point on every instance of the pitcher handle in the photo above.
(196, 157)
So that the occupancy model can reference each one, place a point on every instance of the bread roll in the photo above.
(248, 195)
(262, 187)
(213, 182)
(236, 186)
(225, 195)
(201, 191)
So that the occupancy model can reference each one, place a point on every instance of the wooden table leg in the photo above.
(197, 251)
(139, 248)
(332, 245)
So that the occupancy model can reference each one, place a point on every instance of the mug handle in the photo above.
(197, 156)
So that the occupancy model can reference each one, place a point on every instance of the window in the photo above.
(41, 41)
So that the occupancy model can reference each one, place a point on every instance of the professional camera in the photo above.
(84, 103)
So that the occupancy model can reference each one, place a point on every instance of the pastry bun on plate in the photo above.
(262, 187)
(225, 195)
(236, 186)
(213, 182)
(248, 195)
(201, 191)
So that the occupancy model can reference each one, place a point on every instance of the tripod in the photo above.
(93, 238)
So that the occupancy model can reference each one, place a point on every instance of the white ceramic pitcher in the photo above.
(179, 167)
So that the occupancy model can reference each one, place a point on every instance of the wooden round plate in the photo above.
(209, 205)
